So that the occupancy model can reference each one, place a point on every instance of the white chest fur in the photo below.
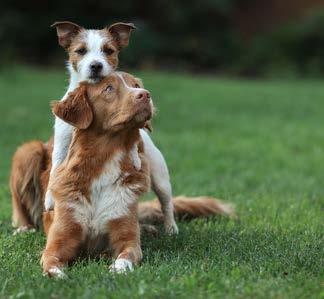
(109, 199)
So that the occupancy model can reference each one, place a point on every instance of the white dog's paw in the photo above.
(49, 201)
(171, 228)
(55, 272)
(121, 266)
(24, 229)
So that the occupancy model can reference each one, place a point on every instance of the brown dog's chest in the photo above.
(109, 196)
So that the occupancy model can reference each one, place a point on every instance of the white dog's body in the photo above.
(80, 69)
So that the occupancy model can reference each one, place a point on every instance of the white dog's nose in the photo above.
(96, 67)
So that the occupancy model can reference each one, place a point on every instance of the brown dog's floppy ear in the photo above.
(65, 32)
(75, 109)
(121, 33)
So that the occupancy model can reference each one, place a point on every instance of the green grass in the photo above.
(257, 144)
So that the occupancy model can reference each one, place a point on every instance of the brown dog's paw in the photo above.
(24, 229)
(121, 266)
(55, 272)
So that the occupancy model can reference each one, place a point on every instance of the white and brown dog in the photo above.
(93, 55)
(96, 188)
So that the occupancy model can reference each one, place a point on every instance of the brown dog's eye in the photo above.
(81, 51)
(108, 51)
(137, 86)
(109, 88)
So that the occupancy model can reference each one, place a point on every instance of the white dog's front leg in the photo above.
(62, 140)
(160, 182)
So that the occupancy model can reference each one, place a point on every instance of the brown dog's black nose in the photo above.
(143, 96)
(96, 67)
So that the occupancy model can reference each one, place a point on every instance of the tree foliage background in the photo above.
(205, 35)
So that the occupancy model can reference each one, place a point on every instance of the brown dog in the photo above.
(97, 187)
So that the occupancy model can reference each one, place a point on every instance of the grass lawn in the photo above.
(258, 144)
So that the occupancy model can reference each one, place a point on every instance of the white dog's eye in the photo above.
(137, 86)
(109, 88)
(108, 51)
(82, 51)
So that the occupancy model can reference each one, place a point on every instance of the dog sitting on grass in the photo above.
(97, 187)
(93, 55)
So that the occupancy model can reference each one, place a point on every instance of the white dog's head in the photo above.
(93, 54)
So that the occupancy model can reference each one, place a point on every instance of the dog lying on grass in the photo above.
(97, 187)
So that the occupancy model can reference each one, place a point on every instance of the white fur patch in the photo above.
(135, 157)
(159, 169)
(135, 89)
(160, 181)
(62, 139)
(56, 272)
(109, 199)
(121, 266)
(94, 40)
(49, 201)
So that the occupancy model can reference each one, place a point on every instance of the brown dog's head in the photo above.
(93, 54)
(116, 103)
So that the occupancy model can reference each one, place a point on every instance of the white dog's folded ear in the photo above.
(121, 33)
(75, 109)
(66, 31)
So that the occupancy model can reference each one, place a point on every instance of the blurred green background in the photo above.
(256, 143)
(236, 37)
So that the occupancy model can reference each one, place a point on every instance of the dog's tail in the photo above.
(27, 165)
(185, 208)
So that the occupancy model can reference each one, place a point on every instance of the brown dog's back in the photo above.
(28, 165)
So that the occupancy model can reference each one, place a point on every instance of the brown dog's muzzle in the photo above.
(143, 96)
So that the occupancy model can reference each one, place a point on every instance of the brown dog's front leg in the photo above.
(125, 241)
(63, 242)
(48, 217)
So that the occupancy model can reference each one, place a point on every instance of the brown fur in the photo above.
(63, 239)
(185, 208)
(74, 106)
(28, 163)
(125, 237)
(66, 31)
(120, 33)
